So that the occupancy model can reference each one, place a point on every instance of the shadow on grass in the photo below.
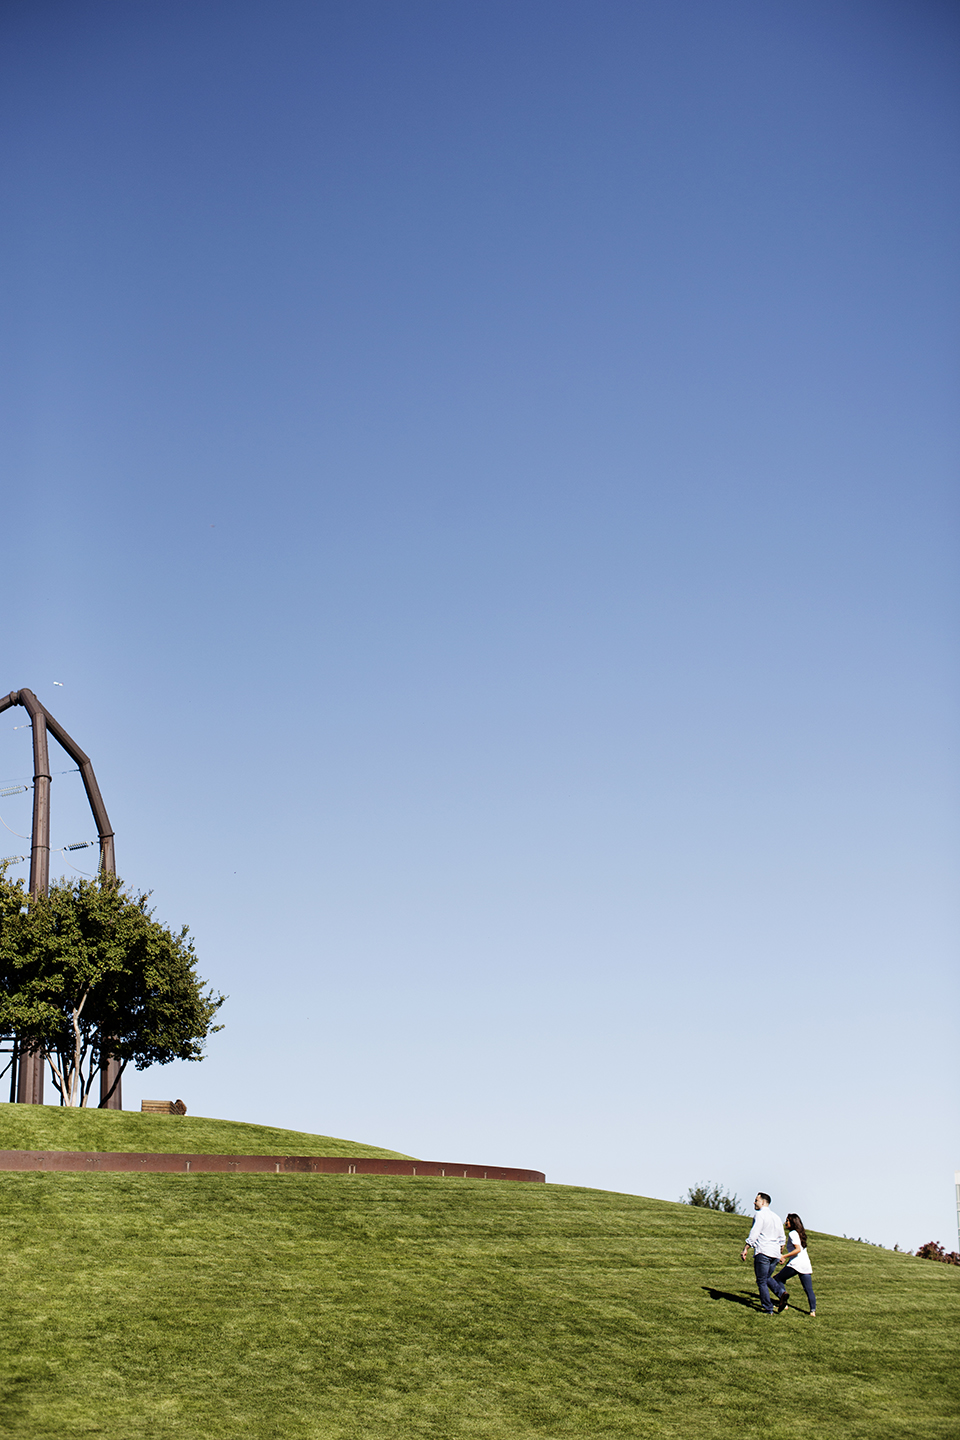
(743, 1297)
(15, 1395)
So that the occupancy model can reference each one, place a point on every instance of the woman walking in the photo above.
(796, 1262)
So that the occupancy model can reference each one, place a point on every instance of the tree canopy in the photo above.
(86, 973)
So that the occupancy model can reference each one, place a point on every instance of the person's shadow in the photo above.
(743, 1297)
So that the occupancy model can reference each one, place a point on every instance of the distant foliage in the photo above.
(711, 1197)
(933, 1250)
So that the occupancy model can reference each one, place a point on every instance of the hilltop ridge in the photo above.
(55, 1127)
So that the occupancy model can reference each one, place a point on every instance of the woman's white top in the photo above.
(801, 1262)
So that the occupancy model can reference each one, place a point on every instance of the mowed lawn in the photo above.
(365, 1306)
(52, 1127)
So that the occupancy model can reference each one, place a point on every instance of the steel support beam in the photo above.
(40, 834)
(108, 862)
(30, 1069)
(110, 1073)
(30, 1063)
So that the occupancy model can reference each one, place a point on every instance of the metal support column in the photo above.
(29, 1064)
(30, 1068)
(110, 1072)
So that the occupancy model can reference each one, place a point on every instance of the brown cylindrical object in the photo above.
(110, 1084)
(30, 1078)
(40, 838)
(31, 1063)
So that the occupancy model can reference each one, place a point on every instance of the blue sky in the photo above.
(485, 479)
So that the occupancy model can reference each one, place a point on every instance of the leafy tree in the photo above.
(713, 1198)
(86, 972)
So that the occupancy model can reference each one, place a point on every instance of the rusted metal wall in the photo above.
(101, 1160)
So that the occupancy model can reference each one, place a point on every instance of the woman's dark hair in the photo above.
(795, 1223)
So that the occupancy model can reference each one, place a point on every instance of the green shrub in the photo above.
(711, 1197)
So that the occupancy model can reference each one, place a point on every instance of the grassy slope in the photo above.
(50, 1127)
(374, 1307)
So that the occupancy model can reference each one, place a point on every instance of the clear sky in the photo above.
(484, 476)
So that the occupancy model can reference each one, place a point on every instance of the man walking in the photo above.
(767, 1239)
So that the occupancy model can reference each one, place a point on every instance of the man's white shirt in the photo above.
(767, 1235)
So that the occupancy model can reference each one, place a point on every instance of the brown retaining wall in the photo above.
(100, 1160)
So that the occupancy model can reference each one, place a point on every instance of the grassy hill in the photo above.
(51, 1127)
(316, 1308)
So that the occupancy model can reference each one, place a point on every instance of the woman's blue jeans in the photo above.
(787, 1273)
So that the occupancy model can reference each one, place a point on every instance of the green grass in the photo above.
(372, 1307)
(51, 1127)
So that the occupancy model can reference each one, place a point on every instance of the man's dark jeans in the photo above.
(763, 1268)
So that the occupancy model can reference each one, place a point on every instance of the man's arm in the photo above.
(751, 1238)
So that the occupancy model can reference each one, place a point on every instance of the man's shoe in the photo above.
(782, 1304)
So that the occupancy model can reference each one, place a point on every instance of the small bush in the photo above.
(711, 1197)
(933, 1250)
